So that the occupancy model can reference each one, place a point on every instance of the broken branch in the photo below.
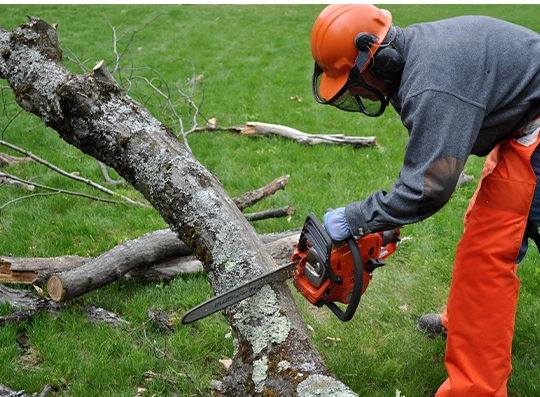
(265, 129)
(274, 213)
(252, 197)
(134, 257)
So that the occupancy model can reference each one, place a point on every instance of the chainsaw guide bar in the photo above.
(236, 295)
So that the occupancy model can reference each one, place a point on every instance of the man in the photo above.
(462, 86)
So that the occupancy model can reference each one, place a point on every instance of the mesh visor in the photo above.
(344, 100)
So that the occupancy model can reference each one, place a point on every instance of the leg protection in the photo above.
(483, 297)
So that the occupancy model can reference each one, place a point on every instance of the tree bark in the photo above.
(93, 113)
(28, 303)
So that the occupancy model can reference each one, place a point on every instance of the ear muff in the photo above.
(388, 64)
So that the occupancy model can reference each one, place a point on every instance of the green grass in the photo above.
(254, 59)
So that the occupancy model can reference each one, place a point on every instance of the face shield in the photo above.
(346, 101)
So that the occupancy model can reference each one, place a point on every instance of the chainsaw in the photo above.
(323, 271)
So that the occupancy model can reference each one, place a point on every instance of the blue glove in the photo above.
(336, 225)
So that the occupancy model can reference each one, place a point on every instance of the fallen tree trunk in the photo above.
(94, 114)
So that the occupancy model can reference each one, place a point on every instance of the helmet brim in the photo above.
(330, 86)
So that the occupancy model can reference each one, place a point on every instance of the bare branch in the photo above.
(56, 191)
(71, 176)
(106, 176)
(119, 56)
(25, 197)
(10, 121)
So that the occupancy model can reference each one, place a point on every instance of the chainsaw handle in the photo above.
(358, 284)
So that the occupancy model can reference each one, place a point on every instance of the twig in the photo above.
(10, 181)
(68, 175)
(116, 40)
(54, 190)
(10, 121)
(167, 97)
(106, 176)
(25, 197)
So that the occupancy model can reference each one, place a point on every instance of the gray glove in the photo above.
(336, 225)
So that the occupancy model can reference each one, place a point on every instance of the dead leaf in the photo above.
(40, 292)
(226, 363)
(404, 307)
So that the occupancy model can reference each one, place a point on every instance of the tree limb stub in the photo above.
(95, 115)
(252, 197)
(274, 213)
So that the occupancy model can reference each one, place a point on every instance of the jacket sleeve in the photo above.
(442, 130)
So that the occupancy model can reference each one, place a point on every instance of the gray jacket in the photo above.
(469, 83)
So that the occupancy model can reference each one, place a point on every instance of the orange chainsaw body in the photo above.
(322, 283)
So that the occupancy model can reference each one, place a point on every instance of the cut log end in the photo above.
(56, 289)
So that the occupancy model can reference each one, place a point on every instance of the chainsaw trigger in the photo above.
(374, 263)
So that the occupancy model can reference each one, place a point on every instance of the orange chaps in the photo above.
(480, 313)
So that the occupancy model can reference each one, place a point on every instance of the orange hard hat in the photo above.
(333, 41)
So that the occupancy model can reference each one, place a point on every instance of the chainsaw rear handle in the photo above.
(358, 284)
